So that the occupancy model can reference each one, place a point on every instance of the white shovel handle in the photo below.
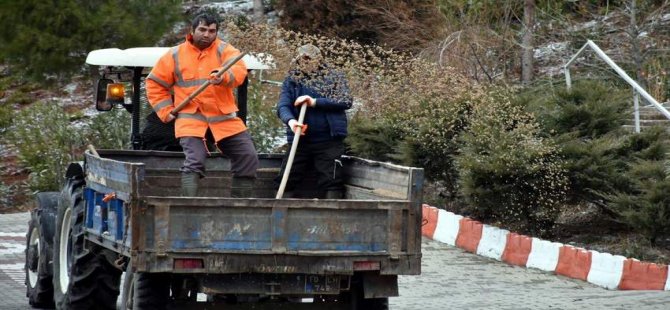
(291, 154)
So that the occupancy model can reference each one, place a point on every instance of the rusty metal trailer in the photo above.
(349, 250)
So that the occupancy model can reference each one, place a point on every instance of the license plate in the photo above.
(321, 284)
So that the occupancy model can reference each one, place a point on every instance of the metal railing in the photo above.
(637, 89)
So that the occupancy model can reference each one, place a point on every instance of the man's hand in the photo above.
(170, 117)
(294, 125)
(305, 99)
(215, 80)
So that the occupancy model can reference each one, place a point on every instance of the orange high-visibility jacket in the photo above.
(182, 70)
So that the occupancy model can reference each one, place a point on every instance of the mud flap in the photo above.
(376, 285)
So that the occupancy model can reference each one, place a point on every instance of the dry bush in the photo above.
(402, 25)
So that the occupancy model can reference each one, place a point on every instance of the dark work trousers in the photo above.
(322, 158)
(239, 148)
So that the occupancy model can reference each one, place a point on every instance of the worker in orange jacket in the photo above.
(179, 73)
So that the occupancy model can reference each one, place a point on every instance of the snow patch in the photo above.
(550, 50)
(70, 88)
(583, 26)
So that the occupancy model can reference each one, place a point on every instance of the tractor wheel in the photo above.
(83, 278)
(128, 292)
(39, 286)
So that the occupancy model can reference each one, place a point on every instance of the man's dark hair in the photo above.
(205, 18)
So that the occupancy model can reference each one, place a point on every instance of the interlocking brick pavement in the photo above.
(451, 279)
(13, 229)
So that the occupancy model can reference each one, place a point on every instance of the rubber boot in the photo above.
(337, 194)
(189, 184)
(242, 187)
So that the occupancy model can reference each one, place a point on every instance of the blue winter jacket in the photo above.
(327, 120)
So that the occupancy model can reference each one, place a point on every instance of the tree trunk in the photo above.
(258, 11)
(634, 33)
(527, 42)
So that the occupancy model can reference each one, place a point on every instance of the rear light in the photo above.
(188, 263)
(366, 265)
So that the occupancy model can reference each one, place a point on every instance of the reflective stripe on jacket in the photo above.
(181, 71)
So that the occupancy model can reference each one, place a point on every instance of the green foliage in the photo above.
(53, 37)
(109, 130)
(265, 128)
(6, 195)
(648, 209)
(586, 124)
(507, 170)
(6, 116)
(373, 139)
(589, 110)
(46, 143)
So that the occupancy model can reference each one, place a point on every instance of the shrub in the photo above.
(589, 110)
(373, 139)
(6, 115)
(643, 199)
(6, 195)
(264, 126)
(647, 210)
(508, 171)
(46, 143)
(586, 124)
(109, 130)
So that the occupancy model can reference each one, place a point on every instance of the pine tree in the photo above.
(44, 38)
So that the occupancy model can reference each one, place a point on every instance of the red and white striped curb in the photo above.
(602, 269)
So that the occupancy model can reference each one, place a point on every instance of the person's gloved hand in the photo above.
(294, 125)
(305, 99)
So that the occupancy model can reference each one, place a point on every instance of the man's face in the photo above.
(204, 35)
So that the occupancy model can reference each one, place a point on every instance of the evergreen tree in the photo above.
(53, 37)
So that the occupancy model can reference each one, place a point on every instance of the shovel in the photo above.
(291, 154)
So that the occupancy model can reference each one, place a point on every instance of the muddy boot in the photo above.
(242, 187)
(337, 194)
(189, 184)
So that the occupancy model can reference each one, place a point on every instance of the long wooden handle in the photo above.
(207, 83)
(291, 154)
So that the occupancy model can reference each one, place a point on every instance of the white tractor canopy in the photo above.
(148, 56)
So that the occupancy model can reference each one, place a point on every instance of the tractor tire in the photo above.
(83, 278)
(39, 286)
(127, 294)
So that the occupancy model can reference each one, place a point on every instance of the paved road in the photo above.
(451, 279)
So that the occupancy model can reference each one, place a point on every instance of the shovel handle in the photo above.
(291, 154)
(207, 83)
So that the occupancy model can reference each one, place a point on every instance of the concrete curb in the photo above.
(602, 269)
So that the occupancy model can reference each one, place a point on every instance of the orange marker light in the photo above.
(115, 93)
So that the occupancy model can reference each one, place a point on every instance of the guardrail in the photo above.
(637, 89)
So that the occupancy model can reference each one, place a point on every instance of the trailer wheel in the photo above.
(150, 291)
(39, 286)
(83, 278)
(374, 303)
(357, 301)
